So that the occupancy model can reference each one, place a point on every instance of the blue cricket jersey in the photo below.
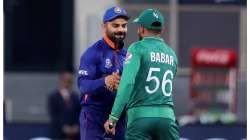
(98, 61)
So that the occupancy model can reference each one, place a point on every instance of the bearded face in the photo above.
(116, 36)
(116, 30)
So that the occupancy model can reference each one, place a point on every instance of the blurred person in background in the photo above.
(99, 74)
(64, 109)
(145, 89)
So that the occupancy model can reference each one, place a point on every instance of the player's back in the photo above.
(153, 83)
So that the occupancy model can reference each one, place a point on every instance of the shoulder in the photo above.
(172, 52)
(170, 48)
(54, 94)
(94, 48)
(136, 44)
(92, 51)
(135, 47)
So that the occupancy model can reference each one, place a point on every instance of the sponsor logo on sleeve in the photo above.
(128, 58)
(83, 72)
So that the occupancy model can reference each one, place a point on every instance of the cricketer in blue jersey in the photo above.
(99, 74)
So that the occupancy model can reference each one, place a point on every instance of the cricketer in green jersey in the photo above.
(146, 85)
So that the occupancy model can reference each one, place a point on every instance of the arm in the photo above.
(87, 81)
(176, 63)
(131, 67)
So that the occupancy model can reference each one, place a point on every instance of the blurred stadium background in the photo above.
(42, 38)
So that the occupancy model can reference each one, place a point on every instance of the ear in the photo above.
(143, 30)
(103, 25)
(138, 30)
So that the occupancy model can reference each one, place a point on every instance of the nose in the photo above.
(122, 29)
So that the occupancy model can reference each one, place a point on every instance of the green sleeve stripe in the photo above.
(113, 118)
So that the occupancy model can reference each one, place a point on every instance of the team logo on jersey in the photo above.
(128, 58)
(108, 63)
(155, 15)
(118, 10)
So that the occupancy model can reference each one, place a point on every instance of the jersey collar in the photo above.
(109, 42)
(153, 37)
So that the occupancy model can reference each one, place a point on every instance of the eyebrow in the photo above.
(119, 24)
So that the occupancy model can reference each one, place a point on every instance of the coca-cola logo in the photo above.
(215, 57)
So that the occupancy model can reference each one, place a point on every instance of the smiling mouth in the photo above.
(119, 36)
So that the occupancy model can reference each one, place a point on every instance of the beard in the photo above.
(117, 38)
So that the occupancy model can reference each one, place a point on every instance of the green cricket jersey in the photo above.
(146, 84)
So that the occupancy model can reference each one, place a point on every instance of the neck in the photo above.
(152, 35)
(110, 42)
(148, 33)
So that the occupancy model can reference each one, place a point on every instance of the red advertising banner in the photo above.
(213, 57)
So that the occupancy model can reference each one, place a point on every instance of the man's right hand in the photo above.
(109, 127)
(112, 81)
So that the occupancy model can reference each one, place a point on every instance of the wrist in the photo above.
(113, 119)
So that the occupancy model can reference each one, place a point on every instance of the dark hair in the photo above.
(154, 31)
(156, 24)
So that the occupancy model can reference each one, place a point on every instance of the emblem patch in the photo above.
(118, 10)
(108, 63)
(155, 15)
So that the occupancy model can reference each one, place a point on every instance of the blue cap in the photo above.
(113, 13)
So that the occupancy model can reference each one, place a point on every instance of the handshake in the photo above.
(112, 81)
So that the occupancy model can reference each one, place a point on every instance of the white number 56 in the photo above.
(157, 81)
